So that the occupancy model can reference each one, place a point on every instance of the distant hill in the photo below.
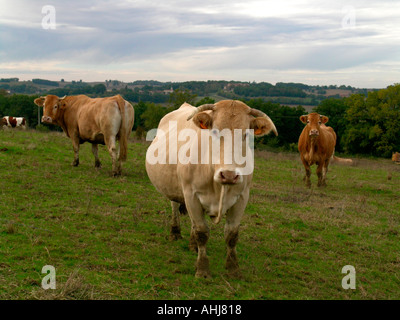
(291, 94)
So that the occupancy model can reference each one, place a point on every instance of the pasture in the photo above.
(108, 237)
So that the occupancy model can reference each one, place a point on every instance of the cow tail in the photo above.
(123, 136)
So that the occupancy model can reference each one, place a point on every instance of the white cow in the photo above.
(208, 184)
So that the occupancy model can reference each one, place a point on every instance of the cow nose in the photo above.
(229, 177)
(46, 119)
(314, 132)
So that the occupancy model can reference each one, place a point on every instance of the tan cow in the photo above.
(208, 184)
(317, 146)
(98, 121)
(396, 157)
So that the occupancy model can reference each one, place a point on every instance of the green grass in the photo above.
(108, 237)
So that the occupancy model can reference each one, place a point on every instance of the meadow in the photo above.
(108, 238)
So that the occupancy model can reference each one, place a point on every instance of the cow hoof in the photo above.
(234, 273)
(193, 247)
(232, 265)
(97, 165)
(204, 274)
(116, 174)
(175, 236)
(75, 163)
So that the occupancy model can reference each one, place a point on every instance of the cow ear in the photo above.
(324, 119)
(262, 126)
(203, 120)
(62, 104)
(39, 101)
(304, 119)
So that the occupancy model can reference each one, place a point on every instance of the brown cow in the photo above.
(98, 121)
(396, 157)
(316, 145)
(3, 122)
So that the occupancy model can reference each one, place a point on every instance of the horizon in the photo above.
(349, 42)
(169, 81)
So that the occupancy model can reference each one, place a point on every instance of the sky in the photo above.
(338, 42)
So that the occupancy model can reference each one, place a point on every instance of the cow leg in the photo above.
(199, 232)
(202, 234)
(112, 149)
(95, 151)
(118, 162)
(324, 172)
(192, 240)
(175, 222)
(308, 172)
(231, 239)
(321, 172)
(231, 231)
(75, 145)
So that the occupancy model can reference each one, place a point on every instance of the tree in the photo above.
(139, 108)
(153, 115)
(286, 120)
(373, 122)
(179, 97)
(335, 110)
(205, 100)
(99, 88)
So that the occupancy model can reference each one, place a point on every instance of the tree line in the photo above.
(367, 124)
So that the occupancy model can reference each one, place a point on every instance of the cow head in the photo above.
(314, 122)
(230, 116)
(3, 122)
(52, 108)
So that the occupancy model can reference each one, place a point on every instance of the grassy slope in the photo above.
(108, 237)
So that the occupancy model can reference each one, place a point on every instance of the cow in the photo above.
(396, 157)
(210, 187)
(317, 146)
(14, 122)
(98, 121)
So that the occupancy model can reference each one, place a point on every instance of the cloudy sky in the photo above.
(339, 42)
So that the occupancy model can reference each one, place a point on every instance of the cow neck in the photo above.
(63, 112)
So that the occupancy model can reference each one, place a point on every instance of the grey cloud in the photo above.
(213, 35)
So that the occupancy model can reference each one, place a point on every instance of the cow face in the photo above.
(313, 122)
(228, 118)
(3, 122)
(52, 106)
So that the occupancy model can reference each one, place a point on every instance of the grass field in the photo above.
(108, 237)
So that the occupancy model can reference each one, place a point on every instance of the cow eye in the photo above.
(308, 121)
(56, 106)
(319, 122)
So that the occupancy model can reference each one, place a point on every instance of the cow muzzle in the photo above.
(314, 133)
(46, 119)
(228, 176)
